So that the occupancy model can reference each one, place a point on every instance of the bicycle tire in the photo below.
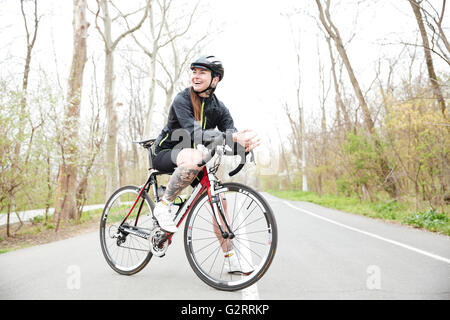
(125, 196)
(236, 282)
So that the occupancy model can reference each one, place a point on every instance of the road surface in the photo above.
(322, 254)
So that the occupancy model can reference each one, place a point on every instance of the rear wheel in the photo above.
(123, 246)
(253, 224)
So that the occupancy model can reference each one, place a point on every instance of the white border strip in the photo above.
(431, 255)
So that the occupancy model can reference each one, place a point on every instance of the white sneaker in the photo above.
(236, 264)
(164, 216)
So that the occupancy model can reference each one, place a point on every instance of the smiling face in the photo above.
(201, 79)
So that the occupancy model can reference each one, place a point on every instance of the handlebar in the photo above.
(241, 165)
(219, 142)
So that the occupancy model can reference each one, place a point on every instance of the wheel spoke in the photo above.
(252, 241)
(250, 223)
(197, 251)
(209, 255)
(237, 228)
(247, 247)
(207, 238)
(258, 231)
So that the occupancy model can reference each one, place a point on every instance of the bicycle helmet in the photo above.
(211, 63)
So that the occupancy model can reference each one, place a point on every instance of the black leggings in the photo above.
(163, 162)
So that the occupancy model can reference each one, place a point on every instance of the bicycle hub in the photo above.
(227, 235)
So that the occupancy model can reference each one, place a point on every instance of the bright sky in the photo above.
(255, 44)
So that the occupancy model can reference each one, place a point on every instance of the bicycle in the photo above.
(216, 214)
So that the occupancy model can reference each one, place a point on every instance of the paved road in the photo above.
(322, 254)
(29, 214)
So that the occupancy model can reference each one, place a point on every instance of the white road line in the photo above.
(250, 293)
(431, 255)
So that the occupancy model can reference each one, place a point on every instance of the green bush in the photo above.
(387, 209)
(37, 219)
(430, 220)
(49, 226)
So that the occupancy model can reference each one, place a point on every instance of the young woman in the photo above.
(197, 111)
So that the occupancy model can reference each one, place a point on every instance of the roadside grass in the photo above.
(390, 210)
(38, 231)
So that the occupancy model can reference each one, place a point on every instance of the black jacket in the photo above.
(181, 116)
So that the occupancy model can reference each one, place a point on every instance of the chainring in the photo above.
(158, 242)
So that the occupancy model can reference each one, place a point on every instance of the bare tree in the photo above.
(298, 126)
(31, 40)
(93, 148)
(301, 121)
(112, 179)
(323, 95)
(159, 39)
(13, 164)
(434, 19)
(415, 5)
(340, 105)
(179, 62)
(65, 203)
(333, 32)
(135, 115)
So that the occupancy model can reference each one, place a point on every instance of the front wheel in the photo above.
(254, 244)
(124, 247)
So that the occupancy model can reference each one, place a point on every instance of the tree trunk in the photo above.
(30, 44)
(83, 185)
(301, 123)
(151, 95)
(8, 214)
(429, 61)
(169, 98)
(48, 201)
(65, 204)
(112, 175)
(340, 106)
(112, 178)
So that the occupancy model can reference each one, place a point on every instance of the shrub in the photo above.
(431, 220)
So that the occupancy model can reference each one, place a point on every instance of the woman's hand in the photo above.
(247, 138)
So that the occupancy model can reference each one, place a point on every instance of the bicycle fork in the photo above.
(219, 212)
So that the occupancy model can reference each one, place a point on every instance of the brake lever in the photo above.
(253, 157)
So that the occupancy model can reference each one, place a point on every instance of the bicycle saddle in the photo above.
(146, 143)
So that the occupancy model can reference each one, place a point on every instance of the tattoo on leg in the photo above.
(180, 179)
